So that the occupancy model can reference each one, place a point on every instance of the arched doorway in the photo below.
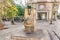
(42, 15)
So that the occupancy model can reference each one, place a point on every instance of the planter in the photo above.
(1, 27)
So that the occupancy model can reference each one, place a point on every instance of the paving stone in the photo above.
(44, 25)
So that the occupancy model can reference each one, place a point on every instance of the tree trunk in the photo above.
(1, 24)
(12, 21)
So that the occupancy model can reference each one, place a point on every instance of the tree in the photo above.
(1, 22)
(9, 9)
(11, 13)
(20, 10)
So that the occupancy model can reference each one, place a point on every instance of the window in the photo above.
(41, 6)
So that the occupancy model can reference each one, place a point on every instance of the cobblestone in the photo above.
(43, 25)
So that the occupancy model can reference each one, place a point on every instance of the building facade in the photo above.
(46, 9)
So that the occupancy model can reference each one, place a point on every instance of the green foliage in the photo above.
(20, 10)
(11, 12)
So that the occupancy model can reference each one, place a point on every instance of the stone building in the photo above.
(46, 9)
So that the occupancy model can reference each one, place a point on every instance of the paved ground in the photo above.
(52, 32)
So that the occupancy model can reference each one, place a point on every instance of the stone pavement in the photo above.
(41, 25)
(6, 33)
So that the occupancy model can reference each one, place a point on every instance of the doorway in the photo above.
(42, 15)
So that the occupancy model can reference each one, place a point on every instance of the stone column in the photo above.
(50, 5)
(50, 17)
(47, 16)
(56, 16)
(30, 20)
